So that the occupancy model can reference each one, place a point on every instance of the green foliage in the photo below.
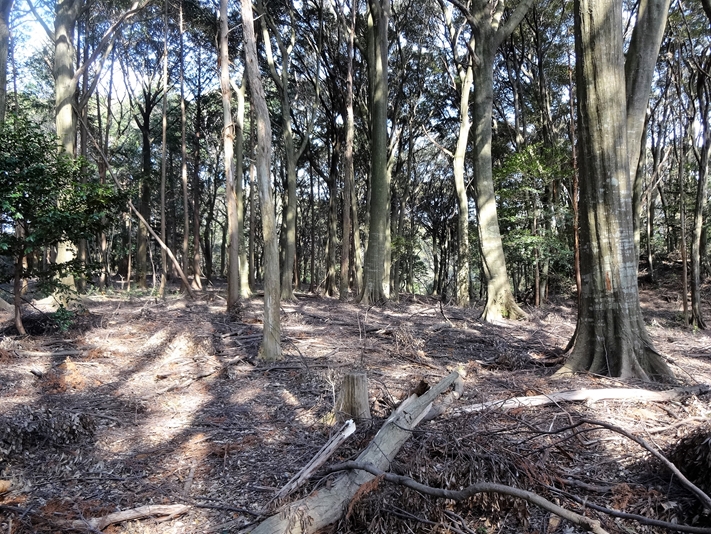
(42, 201)
(63, 318)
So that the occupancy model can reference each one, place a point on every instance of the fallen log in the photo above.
(100, 523)
(327, 505)
(585, 395)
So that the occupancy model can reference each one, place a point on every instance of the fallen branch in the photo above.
(327, 505)
(587, 395)
(100, 523)
(586, 523)
(634, 517)
(703, 498)
(317, 461)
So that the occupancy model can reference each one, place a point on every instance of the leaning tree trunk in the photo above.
(271, 344)
(610, 337)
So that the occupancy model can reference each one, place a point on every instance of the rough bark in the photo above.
(610, 337)
(271, 344)
(374, 268)
(354, 402)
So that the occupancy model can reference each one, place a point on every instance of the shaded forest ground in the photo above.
(163, 402)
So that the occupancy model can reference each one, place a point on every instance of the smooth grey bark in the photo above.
(271, 343)
(228, 135)
(610, 337)
(292, 152)
(489, 32)
(374, 268)
(640, 63)
(464, 81)
(244, 289)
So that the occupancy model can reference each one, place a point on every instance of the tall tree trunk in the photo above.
(611, 336)
(640, 63)
(348, 168)
(244, 289)
(703, 154)
(271, 343)
(66, 14)
(5, 9)
(489, 33)
(372, 291)
(500, 301)
(197, 161)
(164, 153)
(233, 271)
(184, 153)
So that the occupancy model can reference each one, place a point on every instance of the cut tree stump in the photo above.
(353, 399)
(328, 504)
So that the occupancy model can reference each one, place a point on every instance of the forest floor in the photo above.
(143, 401)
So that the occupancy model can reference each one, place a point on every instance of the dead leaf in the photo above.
(5, 486)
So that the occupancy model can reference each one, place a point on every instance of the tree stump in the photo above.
(353, 398)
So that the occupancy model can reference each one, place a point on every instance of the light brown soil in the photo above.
(164, 402)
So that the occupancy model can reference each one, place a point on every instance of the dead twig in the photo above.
(634, 517)
(586, 523)
(693, 488)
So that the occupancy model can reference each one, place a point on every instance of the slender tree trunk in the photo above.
(611, 336)
(233, 271)
(5, 9)
(271, 344)
(348, 168)
(184, 153)
(164, 158)
(244, 288)
(197, 161)
(500, 301)
(640, 63)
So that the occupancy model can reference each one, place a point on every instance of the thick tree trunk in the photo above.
(233, 280)
(610, 337)
(372, 291)
(271, 344)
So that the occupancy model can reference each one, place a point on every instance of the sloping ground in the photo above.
(147, 402)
